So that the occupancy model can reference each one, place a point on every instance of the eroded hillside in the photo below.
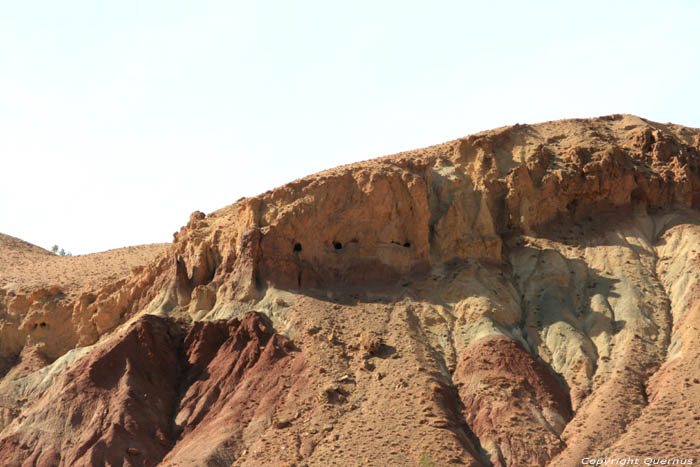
(524, 296)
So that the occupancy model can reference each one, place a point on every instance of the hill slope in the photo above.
(524, 296)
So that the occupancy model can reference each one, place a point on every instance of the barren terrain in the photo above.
(528, 295)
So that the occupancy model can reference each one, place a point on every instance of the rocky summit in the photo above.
(526, 296)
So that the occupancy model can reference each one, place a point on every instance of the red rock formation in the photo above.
(512, 402)
(236, 372)
(148, 390)
(112, 407)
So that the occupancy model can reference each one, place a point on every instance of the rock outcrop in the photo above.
(524, 296)
(131, 399)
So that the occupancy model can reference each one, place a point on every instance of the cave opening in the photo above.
(297, 247)
(337, 245)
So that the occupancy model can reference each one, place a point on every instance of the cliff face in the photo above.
(524, 296)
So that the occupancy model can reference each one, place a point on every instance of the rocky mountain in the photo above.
(528, 295)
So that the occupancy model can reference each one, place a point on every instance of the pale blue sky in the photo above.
(118, 119)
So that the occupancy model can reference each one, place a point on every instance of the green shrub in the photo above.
(55, 250)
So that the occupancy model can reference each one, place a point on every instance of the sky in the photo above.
(118, 119)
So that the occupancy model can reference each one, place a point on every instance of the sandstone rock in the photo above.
(369, 343)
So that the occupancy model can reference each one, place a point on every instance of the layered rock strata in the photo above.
(523, 296)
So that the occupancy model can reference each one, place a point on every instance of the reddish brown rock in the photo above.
(237, 372)
(512, 401)
(117, 398)
(139, 397)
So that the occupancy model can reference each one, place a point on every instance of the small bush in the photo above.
(55, 250)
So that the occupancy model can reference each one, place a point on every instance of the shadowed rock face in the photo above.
(523, 296)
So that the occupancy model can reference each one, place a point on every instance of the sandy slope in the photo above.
(24, 266)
